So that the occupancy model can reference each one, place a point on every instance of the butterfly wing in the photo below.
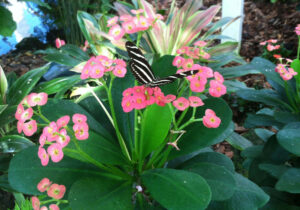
(172, 78)
(139, 65)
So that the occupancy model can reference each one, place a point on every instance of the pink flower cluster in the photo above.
(139, 97)
(56, 135)
(183, 103)
(130, 24)
(59, 42)
(24, 112)
(53, 190)
(195, 52)
(210, 120)
(297, 30)
(97, 66)
(285, 72)
(271, 44)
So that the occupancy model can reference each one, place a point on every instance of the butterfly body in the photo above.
(142, 70)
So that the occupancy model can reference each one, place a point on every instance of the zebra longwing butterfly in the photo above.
(142, 70)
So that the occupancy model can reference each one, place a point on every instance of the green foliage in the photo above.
(7, 24)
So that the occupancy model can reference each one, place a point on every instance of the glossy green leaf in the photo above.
(220, 180)
(263, 134)
(289, 138)
(247, 196)
(55, 108)
(7, 23)
(100, 194)
(289, 181)
(75, 52)
(100, 149)
(218, 25)
(62, 58)
(209, 157)
(2, 108)
(58, 84)
(198, 136)
(296, 66)
(3, 85)
(14, 143)
(24, 85)
(24, 176)
(254, 120)
(252, 152)
(223, 48)
(177, 189)
(239, 142)
(155, 126)
(234, 85)
(8, 115)
(274, 170)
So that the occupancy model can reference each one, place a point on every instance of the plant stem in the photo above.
(295, 109)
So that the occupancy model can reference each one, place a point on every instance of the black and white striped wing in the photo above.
(171, 78)
(139, 65)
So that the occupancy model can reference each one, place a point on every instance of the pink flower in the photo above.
(53, 207)
(51, 131)
(19, 111)
(96, 71)
(56, 191)
(26, 115)
(139, 89)
(20, 126)
(81, 131)
(42, 140)
(169, 98)
(127, 104)
(210, 120)
(29, 128)
(216, 89)
(79, 118)
(129, 27)
(139, 101)
(37, 99)
(272, 41)
(178, 61)
(195, 101)
(116, 32)
(43, 155)
(271, 47)
(182, 50)
(181, 103)
(59, 42)
(198, 84)
(128, 92)
(35, 203)
(44, 208)
(55, 152)
(292, 72)
(218, 77)
(120, 62)
(43, 185)
(119, 71)
(297, 30)
(200, 43)
(142, 24)
(286, 76)
(188, 64)
(112, 21)
(136, 12)
(63, 121)
(126, 18)
(263, 43)
(159, 98)
(63, 138)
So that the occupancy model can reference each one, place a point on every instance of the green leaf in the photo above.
(2, 108)
(253, 120)
(263, 134)
(3, 85)
(62, 58)
(8, 115)
(56, 108)
(14, 143)
(289, 181)
(100, 149)
(75, 52)
(289, 138)
(177, 189)
(24, 176)
(220, 180)
(24, 85)
(58, 84)
(210, 157)
(155, 127)
(247, 196)
(100, 194)
(252, 152)
(239, 142)
(198, 136)
(296, 66)
(7, 24)
(223, 48)
(39, 2)
(274, 170)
